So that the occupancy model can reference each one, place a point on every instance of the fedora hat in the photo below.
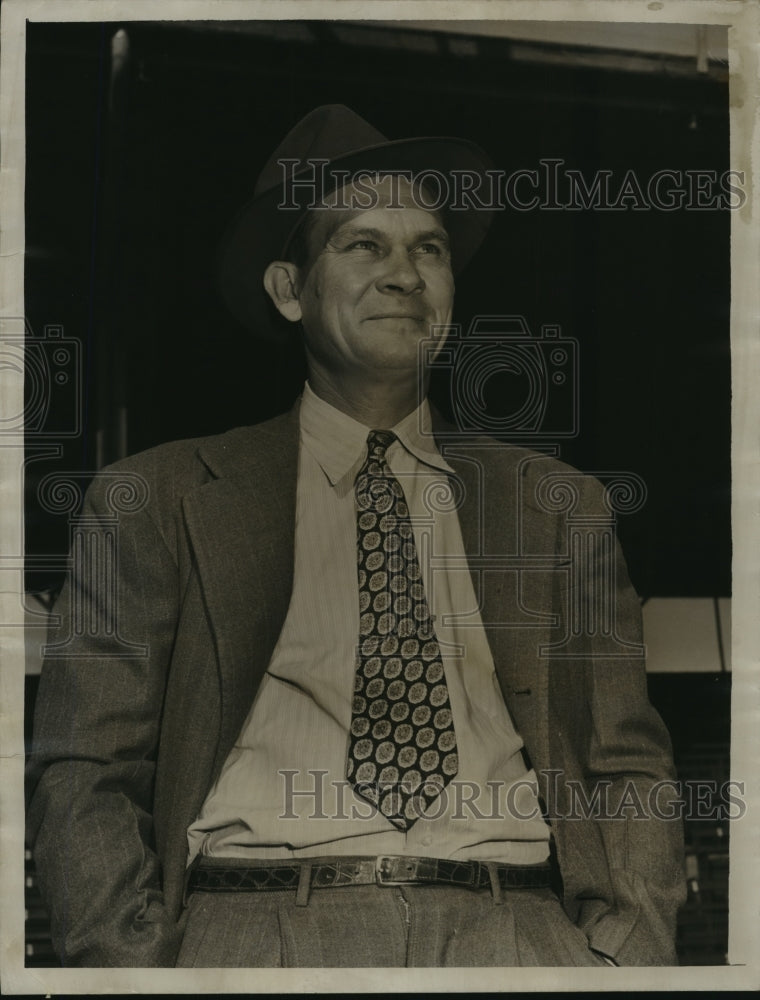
(343, 143)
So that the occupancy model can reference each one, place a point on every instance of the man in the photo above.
(347, 741)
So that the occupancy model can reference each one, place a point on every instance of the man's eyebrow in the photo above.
(352, 232)
(433, 234)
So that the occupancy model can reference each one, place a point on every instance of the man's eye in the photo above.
(362, 245)
(430, 248)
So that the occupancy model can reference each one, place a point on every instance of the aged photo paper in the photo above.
(620, 269)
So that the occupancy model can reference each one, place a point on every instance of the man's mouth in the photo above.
(397, 316)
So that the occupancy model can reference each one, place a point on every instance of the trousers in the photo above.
(381, 927)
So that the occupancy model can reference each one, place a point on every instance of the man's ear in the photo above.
(281, 283)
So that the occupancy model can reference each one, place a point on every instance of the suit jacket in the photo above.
(128, 740)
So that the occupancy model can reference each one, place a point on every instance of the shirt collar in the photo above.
(339, 443)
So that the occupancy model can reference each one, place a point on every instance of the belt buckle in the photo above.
(395, 869)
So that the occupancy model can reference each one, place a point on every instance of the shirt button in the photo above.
(427, 840)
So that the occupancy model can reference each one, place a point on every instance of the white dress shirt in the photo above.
(282, 791)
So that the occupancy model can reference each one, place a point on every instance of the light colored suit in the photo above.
(126, 748)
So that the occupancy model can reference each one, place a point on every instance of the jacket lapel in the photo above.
(498, 526)
(241, 526)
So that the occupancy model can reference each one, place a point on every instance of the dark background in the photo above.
(133, 176)
(130, 187)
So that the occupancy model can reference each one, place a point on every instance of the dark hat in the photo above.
(335, 134)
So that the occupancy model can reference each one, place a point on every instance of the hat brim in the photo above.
(260, 232)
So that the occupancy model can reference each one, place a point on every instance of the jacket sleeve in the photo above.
(629, 912)
(91, 772)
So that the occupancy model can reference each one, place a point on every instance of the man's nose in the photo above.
(400, 274)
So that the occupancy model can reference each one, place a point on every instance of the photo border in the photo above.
(743, 22)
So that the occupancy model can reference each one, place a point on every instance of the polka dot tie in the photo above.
(402, 746)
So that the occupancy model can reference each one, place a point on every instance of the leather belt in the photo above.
(223, 875)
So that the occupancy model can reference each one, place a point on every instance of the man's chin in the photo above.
(407, 361)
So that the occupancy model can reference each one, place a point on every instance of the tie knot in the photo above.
(378, 443)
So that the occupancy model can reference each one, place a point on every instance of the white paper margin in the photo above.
(743, 972)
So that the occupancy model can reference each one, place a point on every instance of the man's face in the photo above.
(376, 281)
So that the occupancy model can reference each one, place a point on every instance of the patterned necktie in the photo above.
(403, 749)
